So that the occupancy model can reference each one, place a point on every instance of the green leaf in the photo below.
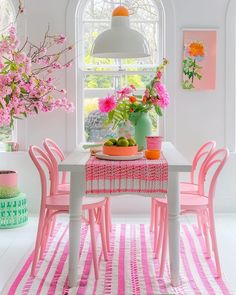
(7, 99)
(158, 110)
(198, 75)
(187, 85)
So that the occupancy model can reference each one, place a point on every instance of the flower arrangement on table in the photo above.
(27, 85)
(124, 105)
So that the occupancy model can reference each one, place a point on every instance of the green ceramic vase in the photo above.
(143, 128)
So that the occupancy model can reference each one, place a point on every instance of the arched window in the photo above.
(96, 76)
(7, 17)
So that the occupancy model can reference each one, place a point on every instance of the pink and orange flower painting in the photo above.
(199, 59)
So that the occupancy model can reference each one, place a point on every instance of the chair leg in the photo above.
(93, 242)
(38, 241)
(108, 214)
(107, 226)
(152, 218)
(205, 232)
(45, 234)
(199, 223)
(214, 242)
(108, 223)
(103, 233)
(164, 243)
(161, 233)
(156, 226)
(53, 225)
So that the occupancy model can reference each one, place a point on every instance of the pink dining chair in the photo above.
(192, 186)
(56, 155)
(200, 203)
(53, 203)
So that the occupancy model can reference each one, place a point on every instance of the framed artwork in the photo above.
(199, 59)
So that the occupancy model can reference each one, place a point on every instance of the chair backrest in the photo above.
(56, 155)
(212, 168)
(201, 156)
(43, 165)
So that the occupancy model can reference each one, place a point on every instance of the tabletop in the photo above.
(75, 161)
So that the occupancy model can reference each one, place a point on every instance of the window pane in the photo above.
(139, 9)
(94, 122)
(7, 15)
(5, 134)
(138, 80)
(99, 81)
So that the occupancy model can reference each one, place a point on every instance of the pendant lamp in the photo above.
(120, 41)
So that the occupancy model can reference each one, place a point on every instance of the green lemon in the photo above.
(113, 140)
(123, 142)
(122, 137)
(132, 142)
(108, 143)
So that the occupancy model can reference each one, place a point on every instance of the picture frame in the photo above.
(199, 59)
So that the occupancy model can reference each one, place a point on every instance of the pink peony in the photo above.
(107, 104)
(163, 96)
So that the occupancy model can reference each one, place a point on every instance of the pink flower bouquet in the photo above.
(27, 85)
(124, 105)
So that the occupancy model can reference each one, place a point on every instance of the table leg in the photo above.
(173, 225)
(74, 226)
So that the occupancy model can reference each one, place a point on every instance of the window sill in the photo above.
(15, 153)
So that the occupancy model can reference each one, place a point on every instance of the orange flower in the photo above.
(144, 99)
(132, 99)
(196, 49)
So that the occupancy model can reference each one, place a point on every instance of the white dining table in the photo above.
(75, 164)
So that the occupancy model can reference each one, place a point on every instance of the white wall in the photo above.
(195, 116)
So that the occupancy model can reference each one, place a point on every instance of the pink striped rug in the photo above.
(130, 269)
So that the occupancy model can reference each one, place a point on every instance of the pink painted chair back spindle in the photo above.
(42, 161)
(200, 159)
(56, 155)
(213, 165)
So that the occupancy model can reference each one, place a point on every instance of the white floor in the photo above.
(16, 243)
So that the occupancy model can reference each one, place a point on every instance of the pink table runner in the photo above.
(146, 177)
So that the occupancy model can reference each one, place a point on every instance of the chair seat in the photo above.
(58, 202)
(61, 202)
(188, 201)
(64, 188)
(188, 188)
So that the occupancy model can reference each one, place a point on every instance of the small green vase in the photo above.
(143, 128)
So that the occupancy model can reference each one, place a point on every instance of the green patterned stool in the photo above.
(13, 211)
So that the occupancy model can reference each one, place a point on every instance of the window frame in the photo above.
(83, 71)
(170, 32)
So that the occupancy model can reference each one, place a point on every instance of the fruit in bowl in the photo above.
(120, 147)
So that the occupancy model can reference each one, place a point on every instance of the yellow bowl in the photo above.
(120, 150)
